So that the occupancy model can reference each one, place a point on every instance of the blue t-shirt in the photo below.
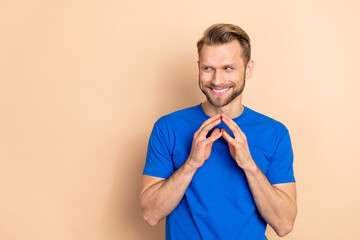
(218, 203)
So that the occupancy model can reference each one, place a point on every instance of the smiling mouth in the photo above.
(221, 91)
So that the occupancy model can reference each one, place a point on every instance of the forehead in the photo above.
(222, 53)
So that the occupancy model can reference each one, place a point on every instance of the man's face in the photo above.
(221, 72)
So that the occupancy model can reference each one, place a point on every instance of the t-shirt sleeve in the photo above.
(281, 166)
(159, 158)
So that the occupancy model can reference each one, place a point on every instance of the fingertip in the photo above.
(224, 132)
(216, 130)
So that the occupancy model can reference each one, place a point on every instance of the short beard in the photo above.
(229, 100)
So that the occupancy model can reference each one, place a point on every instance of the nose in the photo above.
(218, 78)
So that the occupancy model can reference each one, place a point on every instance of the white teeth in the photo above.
(220, 91)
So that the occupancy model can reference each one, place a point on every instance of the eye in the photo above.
(207, 68)
(228, 68)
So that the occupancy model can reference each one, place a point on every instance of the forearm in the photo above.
(161, 198)
(277, 207)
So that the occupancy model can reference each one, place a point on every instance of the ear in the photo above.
(249, 69)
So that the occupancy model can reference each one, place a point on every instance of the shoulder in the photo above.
(266, 122)
(177, 116)
(176, 125)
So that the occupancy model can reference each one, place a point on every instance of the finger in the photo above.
(204, 131)
(214, 118)
(232, 125)
(229, 120)
(215, 135)
(227, 137)
(215, 132)
(232, 122)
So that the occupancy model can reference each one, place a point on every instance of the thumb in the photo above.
(215, 135)
(227, 137)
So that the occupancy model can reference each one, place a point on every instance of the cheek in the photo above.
(205, 77)
(234, 77)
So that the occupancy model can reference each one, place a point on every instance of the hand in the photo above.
(201, 146)
(238, 146)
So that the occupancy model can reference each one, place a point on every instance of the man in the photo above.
(220, 170)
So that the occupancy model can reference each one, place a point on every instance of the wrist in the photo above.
(251, 167)
(190, 166)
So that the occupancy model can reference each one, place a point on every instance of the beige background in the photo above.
(82, 83)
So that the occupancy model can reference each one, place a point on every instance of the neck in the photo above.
(232, 110)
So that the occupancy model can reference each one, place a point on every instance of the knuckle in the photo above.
(206, 128)
(212, 138)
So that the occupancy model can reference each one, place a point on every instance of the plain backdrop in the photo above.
(82, 83)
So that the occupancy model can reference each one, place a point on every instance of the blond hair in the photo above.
(222, 33)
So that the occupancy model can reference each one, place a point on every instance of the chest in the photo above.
(260, 146)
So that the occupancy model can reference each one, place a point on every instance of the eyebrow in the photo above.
(224, 66)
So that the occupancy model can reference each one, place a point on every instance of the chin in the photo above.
(219, 103)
